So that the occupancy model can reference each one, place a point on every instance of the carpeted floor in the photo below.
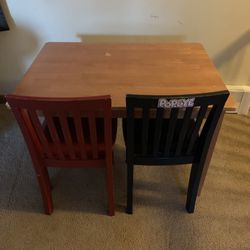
(79, 221)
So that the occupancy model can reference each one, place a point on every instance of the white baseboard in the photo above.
(241, 94)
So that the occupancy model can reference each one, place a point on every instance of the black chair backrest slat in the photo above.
(170, 133)
(158, 130)
(145, 128)
(183, 130)
(195, 132)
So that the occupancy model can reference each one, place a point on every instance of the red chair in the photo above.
(67, 132)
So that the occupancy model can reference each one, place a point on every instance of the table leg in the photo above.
(210, 152)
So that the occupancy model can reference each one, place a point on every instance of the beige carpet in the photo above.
(221, 219)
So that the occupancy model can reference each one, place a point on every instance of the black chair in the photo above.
(170, 130)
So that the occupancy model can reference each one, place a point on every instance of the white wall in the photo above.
(221, 26)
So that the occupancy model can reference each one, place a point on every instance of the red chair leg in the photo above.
(110, 189)
(45, 188)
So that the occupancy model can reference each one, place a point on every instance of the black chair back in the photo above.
(172, 129)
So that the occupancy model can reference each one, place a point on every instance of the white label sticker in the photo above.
(175, 103)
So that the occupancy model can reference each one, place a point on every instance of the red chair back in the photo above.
(62, 128)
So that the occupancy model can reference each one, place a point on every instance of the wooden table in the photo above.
(76, 69)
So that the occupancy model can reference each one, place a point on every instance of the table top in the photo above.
(77, 69)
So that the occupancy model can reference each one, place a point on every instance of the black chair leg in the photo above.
(193, 187)
(130, 174)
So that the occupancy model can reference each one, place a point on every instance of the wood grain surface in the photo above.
(76, 70)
